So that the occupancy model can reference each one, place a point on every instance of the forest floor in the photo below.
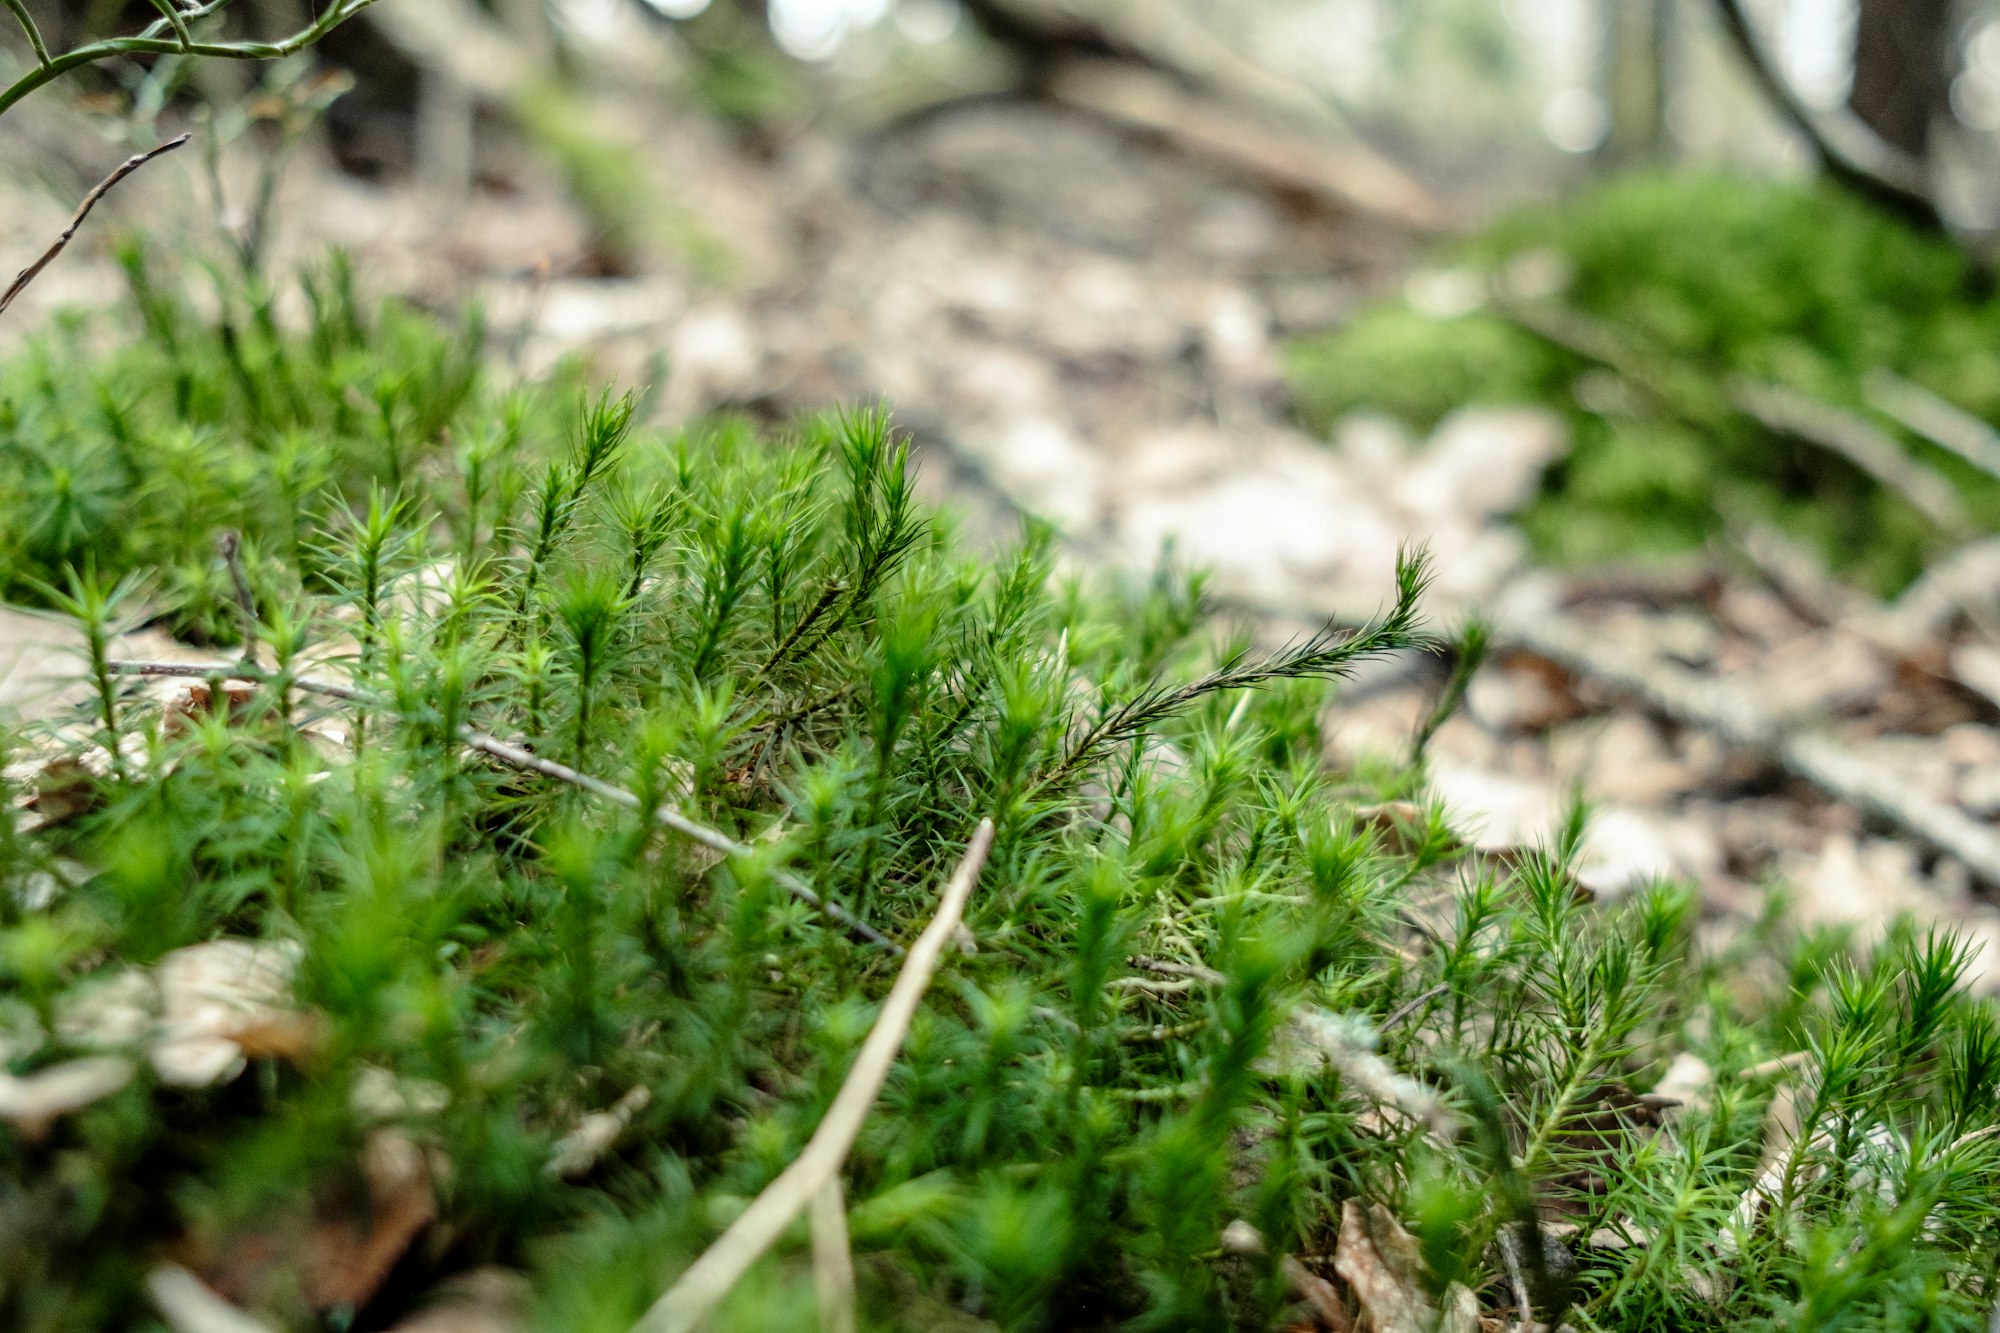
(1086, 324)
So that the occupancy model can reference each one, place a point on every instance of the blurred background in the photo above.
(1668, 324)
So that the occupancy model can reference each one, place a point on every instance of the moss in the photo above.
(771, 634)
(1705, 278)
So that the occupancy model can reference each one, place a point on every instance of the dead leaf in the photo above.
(1401, 823)
(211, 992)
(188, 1306)
(33, 1102)
(1686, 1082)
(358, 1235)
(1380, 1261)
(486, 1300)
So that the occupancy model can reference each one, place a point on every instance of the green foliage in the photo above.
(1417, 368)
(1704, 278)
(774, 637)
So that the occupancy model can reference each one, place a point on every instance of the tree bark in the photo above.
(1902, 79)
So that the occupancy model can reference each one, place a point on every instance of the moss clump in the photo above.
(1214, 980)
(1704, 278)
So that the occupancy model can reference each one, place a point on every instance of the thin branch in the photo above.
(1736, 720)
(833, 1259)
(711, 1277)
(230, 545)
(1775, 407)
(90, 201)
(1789, 412)
(1936, 418)
(1848, 150)
(516, 757)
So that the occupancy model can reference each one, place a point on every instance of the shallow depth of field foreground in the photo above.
(680, 665)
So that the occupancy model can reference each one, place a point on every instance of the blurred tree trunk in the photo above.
(1638, 47)
(1902, 77)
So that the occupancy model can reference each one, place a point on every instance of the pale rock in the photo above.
(1688, 1080)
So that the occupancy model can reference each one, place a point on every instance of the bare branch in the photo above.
(1848, 150)
(90, 201)
(515, 756)
(710, 1277)
(1736, 720)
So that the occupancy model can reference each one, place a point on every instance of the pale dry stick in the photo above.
(1738, 721)
(90, 201)
(1788, 412)
(833, 1259)
(1936, 418)
(711, 1277)
(516, 757)
(188, 1306)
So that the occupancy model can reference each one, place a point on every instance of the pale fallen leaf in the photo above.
(35, 1101)
(188, 1306)
(1687, 1081)
(486, 1300)
(1380, 1261)
(378, 1094)
(208, 993)
(1313, 1038)
(353, 1244)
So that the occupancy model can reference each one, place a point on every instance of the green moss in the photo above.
(1417, 368)
(772, 635)
(1704, 278)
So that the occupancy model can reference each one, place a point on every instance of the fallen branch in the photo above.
(517, 757)
(833, 1259)
(1776, 407)
(1333, 172)
(1789, 412)
(711, 1277)
(90, 201)
(1848, 150)
(1733, 718)
(1936, 418)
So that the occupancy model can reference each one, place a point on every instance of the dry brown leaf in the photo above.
(1380, 1261)
(357, 1237)
(211, 992)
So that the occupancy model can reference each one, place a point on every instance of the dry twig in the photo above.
(711, 1277)
(1789, 412)
(90, 201)
(833, 1259)
(517, 757)
(1733, 718)
(1936, 418)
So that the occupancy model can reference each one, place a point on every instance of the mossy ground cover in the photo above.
(1215, 980)
(1705, 278)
